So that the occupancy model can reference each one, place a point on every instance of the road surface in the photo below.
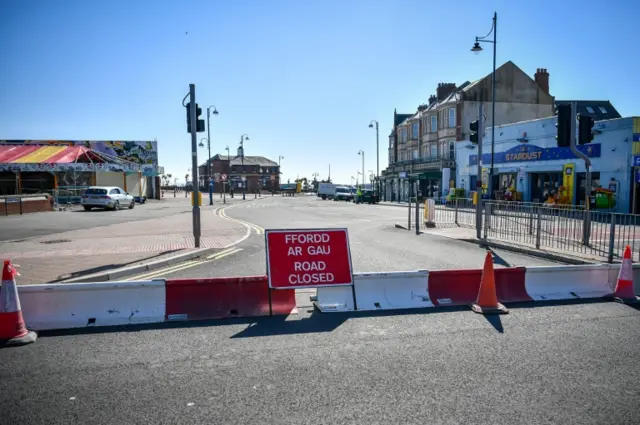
(571, 364)
(376, 244)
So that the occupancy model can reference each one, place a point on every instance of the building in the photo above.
(528, 162)
(260, 173)
(599, 110)
(67, 167)
(426, 142)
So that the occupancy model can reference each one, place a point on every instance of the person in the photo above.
(359, 195)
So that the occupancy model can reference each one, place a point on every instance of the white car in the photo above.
(107, 197)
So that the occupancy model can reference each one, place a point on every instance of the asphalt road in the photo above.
(571, 364)
(376, 245)
(20, 227)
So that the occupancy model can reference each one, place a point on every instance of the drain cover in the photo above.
(56, 241)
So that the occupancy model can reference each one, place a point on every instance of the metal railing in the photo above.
(556, 227)
(563, 228)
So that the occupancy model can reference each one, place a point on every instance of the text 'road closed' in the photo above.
(308, 258)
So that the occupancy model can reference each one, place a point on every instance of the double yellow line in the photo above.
(257, 229)
(182, 266)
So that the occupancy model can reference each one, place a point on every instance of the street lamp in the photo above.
(377, 152)
(477, 49)
(215, 112)
(241, 151)
(224, 190)
(361, 152)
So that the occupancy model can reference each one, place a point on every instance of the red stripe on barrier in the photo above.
(510, 285)
(460, 287)
(283, 301)
(216, 298)
(454, 287)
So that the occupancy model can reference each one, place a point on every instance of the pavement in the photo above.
(56, 246)
(568, 364)
(376, 245)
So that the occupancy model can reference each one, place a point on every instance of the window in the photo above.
(452, 117)
(424, 126)
(416, 154)
(415, 127)
(602, 109)
(590, 110)
(403, 135)
(443, 148)
(434, 150)
(94, 191)
(434, 123)
(452, 149)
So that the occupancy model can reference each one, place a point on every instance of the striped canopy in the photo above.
(47, 154)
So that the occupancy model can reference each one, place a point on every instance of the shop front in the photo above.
(530, 167)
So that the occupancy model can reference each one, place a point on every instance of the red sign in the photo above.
(308, 258)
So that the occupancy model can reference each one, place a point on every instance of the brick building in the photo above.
(261, 173)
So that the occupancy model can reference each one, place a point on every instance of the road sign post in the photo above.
(194, 164)
(308, 258)
(586, 222)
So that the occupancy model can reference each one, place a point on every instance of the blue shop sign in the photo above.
(530, 153)
(636, 160)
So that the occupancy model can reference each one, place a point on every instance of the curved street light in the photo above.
(477, 49)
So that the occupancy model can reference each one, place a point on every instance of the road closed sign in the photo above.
(308, 258)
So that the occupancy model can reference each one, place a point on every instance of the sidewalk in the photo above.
(75, 253)
(468, 234)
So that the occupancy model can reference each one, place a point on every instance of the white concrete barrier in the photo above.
(614, 270)
(331, 299)
(392, 290)
(567, 282)
(77, 305)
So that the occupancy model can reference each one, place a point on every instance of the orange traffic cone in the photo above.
(12, 328)
(487, 302)
(624, 287)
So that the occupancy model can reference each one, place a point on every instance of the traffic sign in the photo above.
(308, 258)
(224, 177)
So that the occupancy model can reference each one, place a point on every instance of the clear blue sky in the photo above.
(302, 78)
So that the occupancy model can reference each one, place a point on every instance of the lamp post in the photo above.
(280, 158)
(477, 49)
(361, 152)
(224, 191)
(377, 154)
(209, 112)
(241, 155)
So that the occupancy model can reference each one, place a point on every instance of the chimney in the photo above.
(542, 78)
(432, 99)
(444, 90)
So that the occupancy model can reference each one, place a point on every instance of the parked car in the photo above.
(107, 197)
(368, 197)
(343, 194)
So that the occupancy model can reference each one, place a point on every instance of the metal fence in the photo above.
(561, 228)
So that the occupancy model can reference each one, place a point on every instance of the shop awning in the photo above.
(47, 155)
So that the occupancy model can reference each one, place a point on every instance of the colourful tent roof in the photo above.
(45, 154)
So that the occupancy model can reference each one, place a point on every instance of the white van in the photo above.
(326, 190)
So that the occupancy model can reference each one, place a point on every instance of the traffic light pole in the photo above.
(479, 179)
(586, 229)
(194, 165)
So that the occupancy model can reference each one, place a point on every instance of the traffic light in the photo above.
(199, 122)
(473, 135)
(564, 125)
(585, 135)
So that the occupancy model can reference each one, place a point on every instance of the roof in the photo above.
(399, 118)
(248, 160)
(598, 109)
(37, 154)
